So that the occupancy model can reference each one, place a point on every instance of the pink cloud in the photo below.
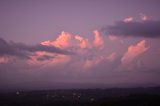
(143, 17)
(134, 51)
(90, 57)
(112, 38)
(91, 63)
(4, 60)
(63, 41)
(83, 43)
(55, 59)
(128, 19)
(111, 57)
(46, 43)
(98, 41)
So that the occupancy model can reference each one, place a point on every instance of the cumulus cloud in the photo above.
(63, 41)
(147, 28)
(83, 43)
(48, 62)
(133, 52)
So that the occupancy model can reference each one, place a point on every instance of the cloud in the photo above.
(63, 41)
(143, 17)
(38, 47)
(50, 63)
(22, 50)
(4, 60)
(90, 63)
(83, 43)
(112, 38)
(128, 19)
(111, 57)
(48, 59)
(147, 28)
(133, 52)
(8, 49)
(98, 41)
(44, 57)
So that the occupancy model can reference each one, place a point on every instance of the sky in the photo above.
(49, 44)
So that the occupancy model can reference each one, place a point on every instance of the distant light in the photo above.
(74, 94)
(92, 99)
(17, 93)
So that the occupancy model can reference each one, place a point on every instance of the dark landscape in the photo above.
(149, 96)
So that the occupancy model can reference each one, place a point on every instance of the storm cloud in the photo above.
(148, 28)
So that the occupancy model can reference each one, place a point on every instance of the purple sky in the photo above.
(32, 21)
(50, 43)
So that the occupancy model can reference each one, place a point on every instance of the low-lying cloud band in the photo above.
(22, 50)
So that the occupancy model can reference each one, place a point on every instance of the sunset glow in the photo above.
(44, 43)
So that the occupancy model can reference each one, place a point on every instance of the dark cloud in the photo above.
(8, 49)
(45, 57)
(148, 28)
(22, 50)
